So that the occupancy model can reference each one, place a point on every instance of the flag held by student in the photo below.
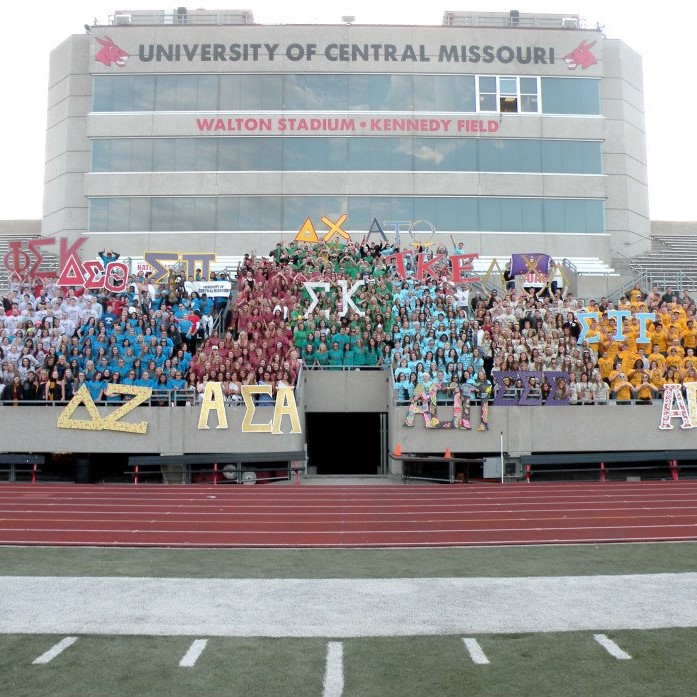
(523, 264)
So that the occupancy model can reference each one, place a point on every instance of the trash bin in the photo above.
(83, 471)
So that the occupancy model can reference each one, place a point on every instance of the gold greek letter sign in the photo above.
(248, 392)
(213, 400)
(286, 406)
(111, 422)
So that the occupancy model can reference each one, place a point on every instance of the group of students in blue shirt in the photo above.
(433, 343)
(126, 352)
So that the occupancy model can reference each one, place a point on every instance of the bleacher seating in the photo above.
(672, 261)
(588, 266)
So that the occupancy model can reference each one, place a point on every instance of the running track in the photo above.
(346, 516)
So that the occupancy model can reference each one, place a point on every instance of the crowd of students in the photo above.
(55, 340)
(516, 332)
(429, 332)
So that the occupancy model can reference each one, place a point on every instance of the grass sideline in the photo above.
(505, 561)
(542, 665)
(565, 664)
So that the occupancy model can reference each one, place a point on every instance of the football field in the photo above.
(615, 619)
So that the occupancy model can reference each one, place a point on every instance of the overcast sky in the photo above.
(665, 41)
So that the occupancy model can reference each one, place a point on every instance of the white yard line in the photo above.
(341, 608)
(333, 684)
(55, 650)
(475, 651)
(611, 647)
(192, 655)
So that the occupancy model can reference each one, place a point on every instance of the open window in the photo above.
(504, 94)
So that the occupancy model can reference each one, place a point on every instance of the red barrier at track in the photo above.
(346, 516)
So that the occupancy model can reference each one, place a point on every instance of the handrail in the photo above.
(618, 292)
(568, 264)
(173, 397)
(346, 367)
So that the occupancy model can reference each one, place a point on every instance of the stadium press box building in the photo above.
(196, 131)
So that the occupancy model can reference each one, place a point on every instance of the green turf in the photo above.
(143, 666)
(544, 560)
(537, 665)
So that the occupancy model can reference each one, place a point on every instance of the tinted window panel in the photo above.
(335, 92)
(357, 153)
(101, 156)
(562, 95)
(448, 213)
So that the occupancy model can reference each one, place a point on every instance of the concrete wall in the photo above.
(675, 228)
(546, 429)
(170, 430)
(624, 150)
(20, 228)
(525, 429)
(347, 390)
(67, 146)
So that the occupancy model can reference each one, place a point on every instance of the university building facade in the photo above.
(200, 131)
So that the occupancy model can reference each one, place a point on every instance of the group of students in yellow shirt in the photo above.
(636, 370)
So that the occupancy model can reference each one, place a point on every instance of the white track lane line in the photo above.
(192, 655)
(475, 651)
(333, 684)
(55, 650)
(611, 647)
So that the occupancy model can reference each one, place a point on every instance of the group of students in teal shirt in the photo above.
(341, 350)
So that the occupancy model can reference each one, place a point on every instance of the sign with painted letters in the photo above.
(26, 263)
(94, 274)
(189, 262)
(618, 315)
(284, 405)
(675, 407)
(529, 393)
(213, 289)
(346, 294)
(308, 233)
(111, 422)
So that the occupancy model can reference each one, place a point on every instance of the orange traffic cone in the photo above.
(448, 454)
(398, 450)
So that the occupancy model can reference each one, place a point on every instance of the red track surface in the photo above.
(346, 516)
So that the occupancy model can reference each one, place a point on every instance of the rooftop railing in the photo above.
(450, 19)
(513, 20)
(181, 16)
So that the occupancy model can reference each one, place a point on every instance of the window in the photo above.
(508, 94)
(356, 92)
(286, 213)
(528, 95)
(570, 95)
(291, 92)
(487, 93)
(504, 94)
(346, 154)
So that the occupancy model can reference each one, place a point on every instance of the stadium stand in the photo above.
(435, 341)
